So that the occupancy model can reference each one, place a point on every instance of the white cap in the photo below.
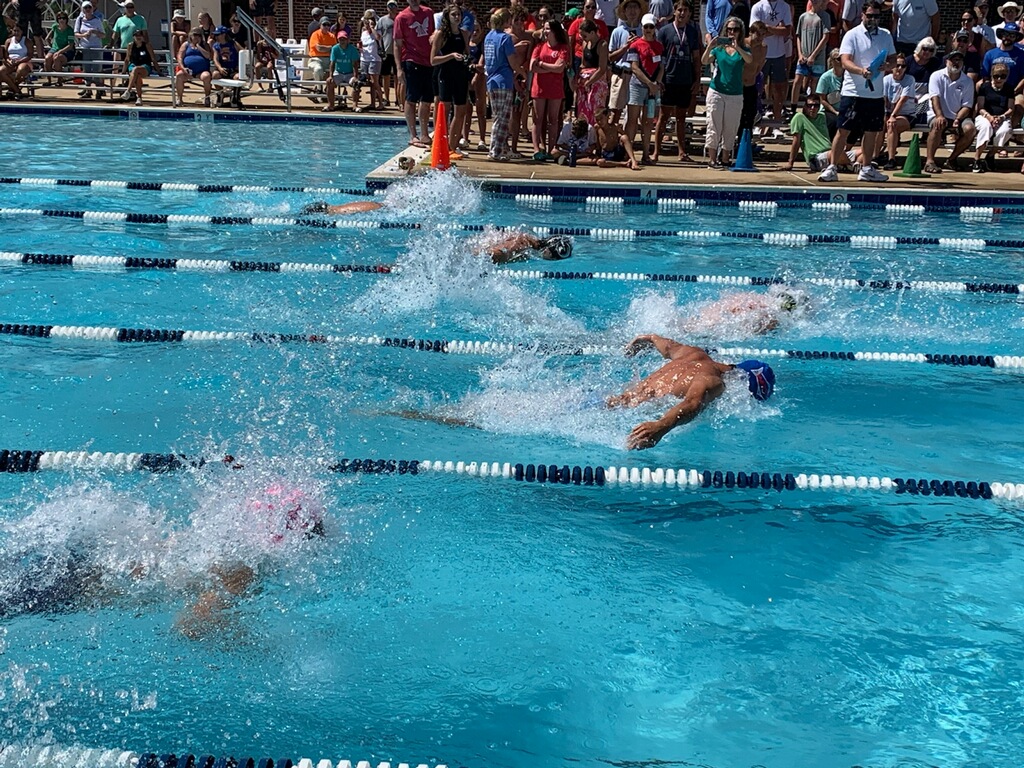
(649, 18)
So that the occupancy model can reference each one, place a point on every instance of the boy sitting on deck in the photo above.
(615, 148)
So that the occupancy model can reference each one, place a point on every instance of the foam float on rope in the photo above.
(27, 461)
(795, 239)
(469, 347)
(156, 186)
(191, 265)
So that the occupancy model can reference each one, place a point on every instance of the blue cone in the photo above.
(745, 155)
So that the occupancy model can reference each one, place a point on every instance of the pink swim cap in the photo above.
(282, 509)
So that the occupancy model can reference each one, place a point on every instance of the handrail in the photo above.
(256, 29)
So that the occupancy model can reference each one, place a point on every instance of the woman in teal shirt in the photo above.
(725, 93)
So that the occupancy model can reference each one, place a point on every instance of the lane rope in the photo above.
(166, 186)
(27, 461)
(486, 347)
(223, 265)
(595, 233)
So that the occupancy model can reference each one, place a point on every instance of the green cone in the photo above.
(912, 167)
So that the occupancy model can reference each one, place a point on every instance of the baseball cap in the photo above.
(178, 14)
(324, 20)
(392, 4)
(963, 34)
(649, 18)
(343, 35)
(221, 30)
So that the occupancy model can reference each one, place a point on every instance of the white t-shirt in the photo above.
(895, 90)
(369, 53)
(606, 12)
(953, 95)
(915, 22)
(566, 139)
(865, 48)
(773, 13)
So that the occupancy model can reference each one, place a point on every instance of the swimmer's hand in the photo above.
(646, 435)
(638, 345)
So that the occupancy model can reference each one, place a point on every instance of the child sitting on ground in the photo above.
(615, 149)
(577, 143)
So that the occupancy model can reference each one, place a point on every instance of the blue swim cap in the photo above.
(760, 378)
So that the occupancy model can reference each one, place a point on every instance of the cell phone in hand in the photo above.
(722, 41)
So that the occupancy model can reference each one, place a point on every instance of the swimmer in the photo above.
(690, 375)
(748, 312)
(359, 206)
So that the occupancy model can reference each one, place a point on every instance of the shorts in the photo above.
(318, 68)
(33, 19)
(964, 124)
(638, 93)
(618, 96)
(453, 85)
(371, 67)
(616, 155)
(149, 69)
(418, 82)
(387, 66)
(677, 95)
(69, 55)
(341, 79)
(860, 114)
(775, 70)
(263, 8)
(822, 160)
(815, 70)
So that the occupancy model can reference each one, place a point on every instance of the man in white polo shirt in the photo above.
(865, 52)
(950, 110)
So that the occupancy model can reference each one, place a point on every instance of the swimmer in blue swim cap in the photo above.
(691, 375)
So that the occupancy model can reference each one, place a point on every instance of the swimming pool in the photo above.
(477, 621)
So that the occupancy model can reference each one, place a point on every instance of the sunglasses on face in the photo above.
(998, 77)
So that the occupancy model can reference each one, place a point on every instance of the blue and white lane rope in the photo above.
(23, 461)
(595, 233)
(469, 347)
(223, 265)
(157, 186)
(59, 756)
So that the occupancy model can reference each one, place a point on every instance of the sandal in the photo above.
(932, 168)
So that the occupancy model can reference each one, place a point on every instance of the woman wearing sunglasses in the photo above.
(725, 93)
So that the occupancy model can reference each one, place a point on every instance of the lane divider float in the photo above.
(28, 461)
(486, 347)
(168, 186)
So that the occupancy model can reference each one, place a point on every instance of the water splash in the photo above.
(436, 196)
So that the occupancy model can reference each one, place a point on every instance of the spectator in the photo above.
(753, 77)
(576, 40)
(608, 11)
(829, 88)
(341, 25)
(715, 14)
(413, 28)
(17, 63)
(141, 63)
(912, 21)
(994, 116)
(1008, 53)
(62, 46)
(263, 14)
(972, 58)
(810, 135)
(592, 90)
(950, 110)
(501, 63)
(238, 34)
(681, 41)
(530, 22)
(983, 28)
(180, 27)
(344, 71)
(900, 107)
(125, 26)
(30, 19)
(976, 40)
(615, 148)
(725, 93)
(622, 37)
(264, 62)
(314, 25)
(921, 66)
(645, 86)
(206, 27)
(319, 47)
(370, 58)
(524, 42)
(577, 143)
(862, 102)
(812, 30)
(548, 63)
(225, 56)
(195, 59)
(777, 16)
(477, 87)
(386, 30)
(7, 76)
(449, 54)
(1010, 13)
(89, 36)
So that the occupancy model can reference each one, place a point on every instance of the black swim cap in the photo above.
(555, 248)
(318, 207)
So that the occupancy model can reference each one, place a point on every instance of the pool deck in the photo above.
(667, 179)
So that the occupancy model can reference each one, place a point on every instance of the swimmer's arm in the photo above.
(513, 249)
(649, 433)
(668, 348)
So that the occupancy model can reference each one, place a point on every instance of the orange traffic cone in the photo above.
(440, 157)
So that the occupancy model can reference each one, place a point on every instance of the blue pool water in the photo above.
(484, 622)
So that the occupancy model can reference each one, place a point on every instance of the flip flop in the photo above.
(417, 143)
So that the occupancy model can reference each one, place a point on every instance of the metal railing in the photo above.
(279, 52)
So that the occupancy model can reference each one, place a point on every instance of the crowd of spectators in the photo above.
(603, 83)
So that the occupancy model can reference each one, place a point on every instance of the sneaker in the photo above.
(857, 167)
(138, 102)
(870, 173)
(126, 96)
(977, 167)
(890, 165)
(829, 174)
(85, 93)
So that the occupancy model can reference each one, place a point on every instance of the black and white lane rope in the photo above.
(269, 267)
(26, 461)
(168, 186)
(469, 347)
(595, 233)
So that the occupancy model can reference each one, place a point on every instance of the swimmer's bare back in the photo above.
(360, 206)
(448, 421)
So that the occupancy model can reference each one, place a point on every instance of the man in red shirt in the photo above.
(413, 28)
(575, 41)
